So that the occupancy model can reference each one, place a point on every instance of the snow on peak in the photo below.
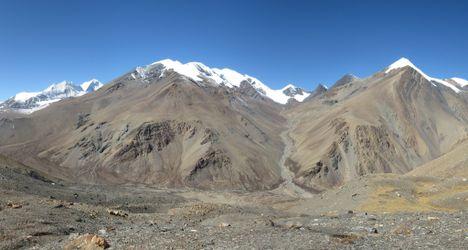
(461, 82)
(29, 102)
(199, 72)
(294, 92)
(59, 87)
(190, 70)
(289, 86)
(91, 85)
(400, 63)
(24, 96)
(404, 62)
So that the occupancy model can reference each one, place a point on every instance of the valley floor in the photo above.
(46, 215)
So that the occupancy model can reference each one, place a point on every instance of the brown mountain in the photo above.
(170, 128)
(388, 123)
(169, 131)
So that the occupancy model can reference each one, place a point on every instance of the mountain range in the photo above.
(29, 102)
(188, 125)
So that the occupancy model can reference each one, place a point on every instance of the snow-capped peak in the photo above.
(61, 87)
(190, 69)
(24, 96)
(199, 72)
(91, 85)
(403, 62)
(400, 63)
(29, 102)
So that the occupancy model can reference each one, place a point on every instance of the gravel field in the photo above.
(37, 213)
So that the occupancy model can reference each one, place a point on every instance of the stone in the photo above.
(87, 242)
(224, 224)
(102, 232)
(365, 229)
(14, 205)
(293, 225)
(117, 213)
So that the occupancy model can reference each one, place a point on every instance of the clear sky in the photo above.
(279, 42)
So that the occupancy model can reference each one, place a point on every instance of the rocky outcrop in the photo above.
(247, 89)
(374, 149)
(156, 136)
(82, 120)
(213, 159)
(329, 169)
(95, 141)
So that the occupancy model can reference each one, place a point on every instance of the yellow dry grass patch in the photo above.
(420, 198)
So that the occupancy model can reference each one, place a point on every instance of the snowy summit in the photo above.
(91, 85)
(29, 102)
(199, 72)
(404, 62)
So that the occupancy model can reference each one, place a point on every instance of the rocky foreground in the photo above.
(52, 216)
(382, 212)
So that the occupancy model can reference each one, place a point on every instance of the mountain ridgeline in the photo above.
(170, 124)
(29, 102)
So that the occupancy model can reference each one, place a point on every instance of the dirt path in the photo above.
(288, 186)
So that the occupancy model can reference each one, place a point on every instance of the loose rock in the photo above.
(87, 242)
(14, 205)
(117, 213)
(224, 224)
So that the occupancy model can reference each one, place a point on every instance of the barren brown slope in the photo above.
(164, 132)
(388, 123)
(451, 164)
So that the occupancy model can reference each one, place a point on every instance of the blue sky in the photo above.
(279, 42)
